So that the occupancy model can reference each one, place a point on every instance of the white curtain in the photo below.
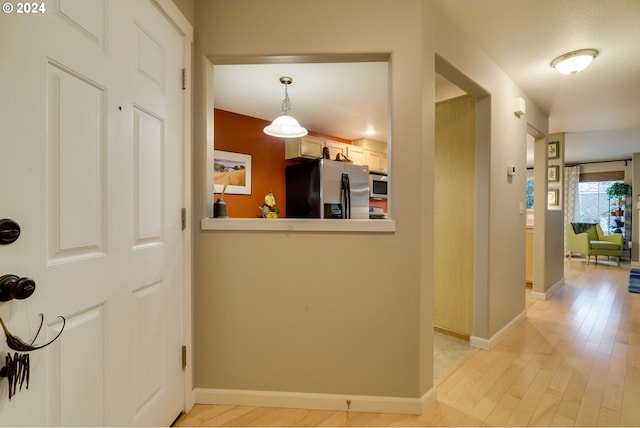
(571, 198)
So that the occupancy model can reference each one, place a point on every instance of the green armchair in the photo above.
(588, 239)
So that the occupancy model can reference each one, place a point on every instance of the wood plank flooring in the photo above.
(575, 361)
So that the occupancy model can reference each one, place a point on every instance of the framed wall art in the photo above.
(553, 197)
(233, 170)
(553, 150)
(553, 173)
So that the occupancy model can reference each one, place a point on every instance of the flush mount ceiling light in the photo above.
(575, 61)
(285, 126)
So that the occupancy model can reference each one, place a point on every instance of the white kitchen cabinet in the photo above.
(377, 161)
(336, 149)
(308, 147)
(358, 155)
(303, 147)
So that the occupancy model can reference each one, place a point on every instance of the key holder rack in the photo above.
(16, 368)
(17, 344)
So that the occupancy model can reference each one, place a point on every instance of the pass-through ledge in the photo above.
(298, 225)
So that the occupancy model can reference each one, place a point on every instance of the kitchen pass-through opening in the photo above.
(342, 100)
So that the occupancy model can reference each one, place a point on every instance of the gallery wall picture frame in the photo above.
(553, 150)
(553, 173)
(553, 197)
(233, 170)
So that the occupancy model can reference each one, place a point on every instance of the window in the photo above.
(529, 193)
(594, 203)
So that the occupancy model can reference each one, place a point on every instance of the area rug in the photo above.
(634, 280)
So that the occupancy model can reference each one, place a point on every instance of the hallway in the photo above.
(575, 361)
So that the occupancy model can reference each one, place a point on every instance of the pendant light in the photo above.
(574, 62)
(285, 126)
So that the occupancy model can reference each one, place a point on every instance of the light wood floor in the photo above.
(575, 361)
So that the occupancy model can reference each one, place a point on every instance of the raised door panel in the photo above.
(150, 56)
(87, 17)
(148, 150)
(76, 164)
(150, 357)
(77, 370)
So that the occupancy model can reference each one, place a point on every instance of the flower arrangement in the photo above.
(269, 209)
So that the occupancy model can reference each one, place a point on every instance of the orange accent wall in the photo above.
(379, 203)
(243, 134)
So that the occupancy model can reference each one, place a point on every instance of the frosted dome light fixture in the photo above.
(574, 62)
(285, 126)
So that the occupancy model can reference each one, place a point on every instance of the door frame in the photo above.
(184, 27)
(480, 337)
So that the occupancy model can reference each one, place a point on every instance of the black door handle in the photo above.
(9, 231)
(14, 287)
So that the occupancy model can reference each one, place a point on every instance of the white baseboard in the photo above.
(544, 296)
(301, 400)
(489, 344)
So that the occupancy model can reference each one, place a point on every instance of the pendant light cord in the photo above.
(286, 104)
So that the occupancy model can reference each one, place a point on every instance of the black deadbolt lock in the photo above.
(9, 231)
(14, 287)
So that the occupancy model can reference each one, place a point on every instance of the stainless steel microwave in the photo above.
(378, 186)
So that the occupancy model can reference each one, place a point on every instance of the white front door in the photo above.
(91, 168)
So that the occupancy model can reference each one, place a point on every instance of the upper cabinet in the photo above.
(304, 147)
(375, 153)
(377, 161)
(309, 147)
(336, 149)
(358, 155)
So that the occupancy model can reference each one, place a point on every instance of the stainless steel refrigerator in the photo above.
(327, 189)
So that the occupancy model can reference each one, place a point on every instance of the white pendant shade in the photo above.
(574, 62)
(285, 126)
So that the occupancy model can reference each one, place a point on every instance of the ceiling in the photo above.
(342, 99)
(598, 109)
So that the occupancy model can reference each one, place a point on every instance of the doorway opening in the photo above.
(462, 117)
(536, 219)
(529, 205)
